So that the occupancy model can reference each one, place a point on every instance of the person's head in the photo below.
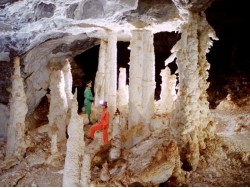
(104, 104)
(89, 83)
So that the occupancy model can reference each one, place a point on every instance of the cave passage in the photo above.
(228, 57)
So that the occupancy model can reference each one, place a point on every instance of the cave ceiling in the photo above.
(68, 24)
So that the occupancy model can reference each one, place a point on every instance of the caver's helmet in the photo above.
(104, 103)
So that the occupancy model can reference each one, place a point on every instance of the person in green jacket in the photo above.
(88, 99)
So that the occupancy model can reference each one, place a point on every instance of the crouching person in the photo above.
(103, 124)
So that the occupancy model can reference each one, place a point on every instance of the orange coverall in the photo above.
(103, 125)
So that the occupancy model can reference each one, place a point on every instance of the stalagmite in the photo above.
(105, 175)
(100, 74)
(111, 73)
(168, 94)
(75, 148)
(142, 78)
(115, 151)
(58, 108)
(16, 145)
(122, 96)
(68, 80)
(192, 113)
(85, 172)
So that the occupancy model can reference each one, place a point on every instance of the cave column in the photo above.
(100, 75)
(16, 146)
(141, 78)
(192, 110)
(111, 73)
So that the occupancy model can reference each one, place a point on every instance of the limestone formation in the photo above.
(111, 73)
(58, 108)
(192, 115)
(175, 141)
(16, 145)
(168, 93)
(68, 81)
(122, 93)
(116, 145)
(75, 148)
(100, 74)
(86, 170)
(142, 80)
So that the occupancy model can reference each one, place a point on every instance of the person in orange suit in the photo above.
(103, 124)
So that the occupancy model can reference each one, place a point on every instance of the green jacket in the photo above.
(88, 98)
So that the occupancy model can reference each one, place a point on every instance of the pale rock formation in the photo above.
(58, 108)
(75, 148)
(115, 150)
(111, 73)
(192, 114)
(122, 93)
(165, 163)
(68, 80)
(168, 93)
(4, 111)
(85, 172)
(100, 74)
(16, 145)
(142, 78)
(158, 123)
(105, 175)
(227, 104)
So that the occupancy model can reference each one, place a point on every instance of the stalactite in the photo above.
(75, 148)
(16, 145)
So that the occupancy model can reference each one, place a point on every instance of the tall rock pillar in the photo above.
(141, 78)
(111, 73)
(99, 87)
(18, 109)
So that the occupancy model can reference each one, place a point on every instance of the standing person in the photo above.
(88, 99)
(103, 124)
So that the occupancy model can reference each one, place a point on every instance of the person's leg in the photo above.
(105, 136)
(93, 129)
(88, 111)
(89, 118)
